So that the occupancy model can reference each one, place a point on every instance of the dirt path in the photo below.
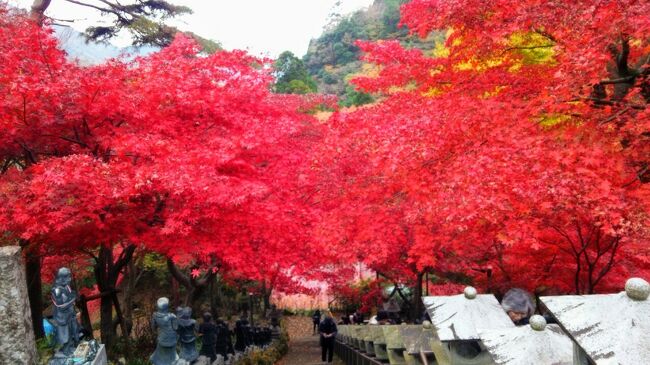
(303, 344)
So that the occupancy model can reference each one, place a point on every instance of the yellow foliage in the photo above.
(533, 47)
(433, 92)
(323, 116)
(440, 51)
(494, 92)
(367, 70)
(408, 87)
(479, 65)
(552, 120)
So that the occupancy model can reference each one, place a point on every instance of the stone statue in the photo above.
(209, 331)
(65, 318)
(220, 360)
(224, 340)
(187, 334)
(242, 334)
(165, 324)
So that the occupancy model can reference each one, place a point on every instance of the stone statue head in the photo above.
(185, 313)
(207, 317)
(162, 305)
(63, 277)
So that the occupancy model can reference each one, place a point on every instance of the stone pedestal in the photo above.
(456, 320)
(417, 341)
(379, 342)
(17, 344)
(394, 345)
(536, 343)
(607, 328)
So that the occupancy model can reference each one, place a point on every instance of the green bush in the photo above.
(45, 349)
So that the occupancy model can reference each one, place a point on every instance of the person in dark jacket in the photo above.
(315, 318)
(345, 319)
(327, 330)
(358, 318)
(208, 330)
(384, 318)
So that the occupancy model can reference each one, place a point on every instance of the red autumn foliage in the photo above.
(490, 156)
(178, 152)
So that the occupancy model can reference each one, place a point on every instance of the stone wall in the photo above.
(17, 345)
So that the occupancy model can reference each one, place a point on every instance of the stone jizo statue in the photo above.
(224, 340)
(242, 334)
(65, 317)
(187, 334)
(209, 331)
(166, 325)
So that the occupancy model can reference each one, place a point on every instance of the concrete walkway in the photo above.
(303, 345)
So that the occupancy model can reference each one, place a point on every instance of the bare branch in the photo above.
(104, 10)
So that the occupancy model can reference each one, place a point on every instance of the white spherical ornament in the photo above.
(470, 292)
(427, 325)
(537, 322)
(637, 289)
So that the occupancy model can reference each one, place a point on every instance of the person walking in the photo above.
(327, 330)
(315, 318)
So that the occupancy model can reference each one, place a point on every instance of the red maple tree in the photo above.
(521, 146)
(167, 152)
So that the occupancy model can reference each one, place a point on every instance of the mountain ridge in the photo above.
(333, 58)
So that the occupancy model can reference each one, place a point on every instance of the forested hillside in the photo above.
(333, 57)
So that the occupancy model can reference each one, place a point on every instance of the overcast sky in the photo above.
(265, 27)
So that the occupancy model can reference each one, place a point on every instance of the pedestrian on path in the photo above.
(316, 320)
(327, 330)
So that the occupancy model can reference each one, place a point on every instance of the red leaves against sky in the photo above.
(182, 153)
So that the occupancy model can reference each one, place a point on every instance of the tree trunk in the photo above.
(35, 290)
(211, 294)
(194, 287)
(175, 292)
(250, 308)
(417, 298)
(106, 321)
(128, 296)
(267, 302)
(217, 298)
(266, 299)
(106, 274)
(38, 10)
(102, 268)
